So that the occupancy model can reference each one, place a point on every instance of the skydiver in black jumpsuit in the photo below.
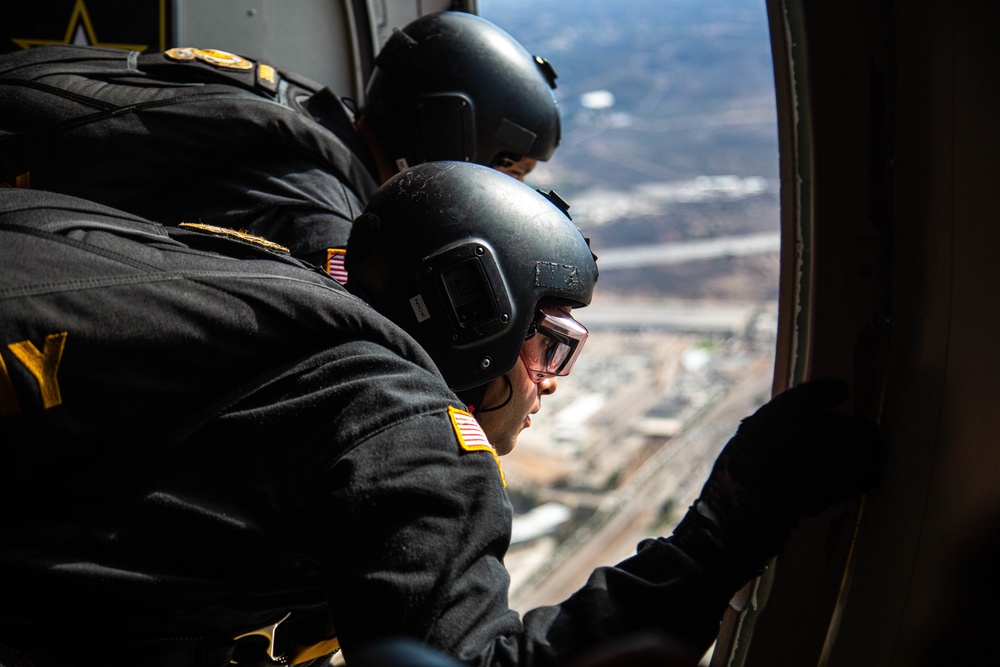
(202, 136)
(203, 439)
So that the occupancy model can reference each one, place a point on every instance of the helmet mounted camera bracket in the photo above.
(474, 293)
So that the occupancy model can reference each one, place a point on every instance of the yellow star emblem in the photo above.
(80, 31)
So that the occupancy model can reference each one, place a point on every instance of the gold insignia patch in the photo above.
(213, 57)
(267, 73)
(236, 234)
(471, 437)
(267, 78)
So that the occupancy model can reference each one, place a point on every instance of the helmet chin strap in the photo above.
(473, 398)
(510, 395)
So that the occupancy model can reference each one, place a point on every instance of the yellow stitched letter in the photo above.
(43, 365)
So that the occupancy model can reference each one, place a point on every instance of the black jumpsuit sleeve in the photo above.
(418, 551)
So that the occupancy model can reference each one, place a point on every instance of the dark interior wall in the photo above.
(889, 142)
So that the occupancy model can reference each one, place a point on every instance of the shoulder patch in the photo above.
(267, 78)
(236, 234)
(335, 264)
(471, 437)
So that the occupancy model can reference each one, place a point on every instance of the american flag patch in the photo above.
(335, 264)
(471, 437)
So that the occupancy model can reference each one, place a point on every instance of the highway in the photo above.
(689, 251)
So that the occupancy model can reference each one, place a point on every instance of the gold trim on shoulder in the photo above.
(236, 234)
(267, 73)
(213, 57)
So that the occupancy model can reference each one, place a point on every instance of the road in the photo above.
(689, 251)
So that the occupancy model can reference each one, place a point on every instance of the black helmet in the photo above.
(460, 256)
(453, 86)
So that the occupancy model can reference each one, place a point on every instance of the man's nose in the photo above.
(548, 386)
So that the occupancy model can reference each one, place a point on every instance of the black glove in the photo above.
(792, 458)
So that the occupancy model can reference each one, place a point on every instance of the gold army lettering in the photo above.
(42, 364)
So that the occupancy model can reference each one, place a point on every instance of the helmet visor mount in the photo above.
(553, 344)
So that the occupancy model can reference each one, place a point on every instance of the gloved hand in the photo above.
(792, 458)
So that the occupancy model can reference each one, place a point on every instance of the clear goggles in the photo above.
(554, 342)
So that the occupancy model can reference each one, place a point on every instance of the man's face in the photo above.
(551, 350)
(519, 168)
(502, 426)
